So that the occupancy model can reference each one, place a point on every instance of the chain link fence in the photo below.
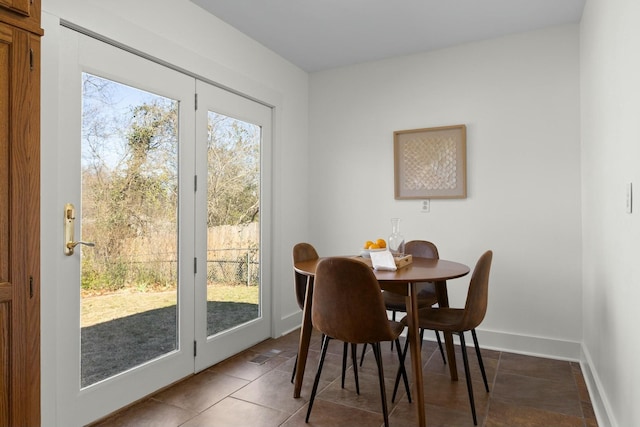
(234, 266)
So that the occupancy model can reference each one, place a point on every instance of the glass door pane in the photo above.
(233, 222)
(129, 280)
(232, 217)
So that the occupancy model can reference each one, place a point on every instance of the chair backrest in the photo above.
(423, 249)
(302, 252)
(477, 296)
(347, 302)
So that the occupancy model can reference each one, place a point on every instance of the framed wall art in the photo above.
(431, 163)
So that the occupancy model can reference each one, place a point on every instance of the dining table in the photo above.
(402, 281)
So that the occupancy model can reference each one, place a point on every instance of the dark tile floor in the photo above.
(254, 389)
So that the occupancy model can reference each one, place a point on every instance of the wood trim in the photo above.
(20, 228)
(6, 38)
(5, 357)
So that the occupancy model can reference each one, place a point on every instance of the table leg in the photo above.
(416, 356)
(451, 355)
(305, 338)
(443, 301)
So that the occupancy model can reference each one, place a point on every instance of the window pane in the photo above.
(233, 223)
(129, 210)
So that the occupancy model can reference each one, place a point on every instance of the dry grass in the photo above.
(102, 308)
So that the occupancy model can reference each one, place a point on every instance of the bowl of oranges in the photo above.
(373, 246)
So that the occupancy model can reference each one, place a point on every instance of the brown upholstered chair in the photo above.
(306, 252)
(348, 306)
(460, 320)
(302, 252)
(426, 291)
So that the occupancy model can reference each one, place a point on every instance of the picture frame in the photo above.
(430, 163)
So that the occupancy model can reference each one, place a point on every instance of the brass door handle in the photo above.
(71, 245)
(69, 226)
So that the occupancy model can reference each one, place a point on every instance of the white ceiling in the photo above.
(322, 34)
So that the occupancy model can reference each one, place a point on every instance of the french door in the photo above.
(233, 145)
(150, 288)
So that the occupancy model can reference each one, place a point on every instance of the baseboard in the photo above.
(524, 344)
(287, 324)
(599, 400)
(530, 345)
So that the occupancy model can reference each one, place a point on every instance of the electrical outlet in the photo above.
(425, 206)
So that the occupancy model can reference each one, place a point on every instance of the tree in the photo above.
(234, 171)
(129, 174)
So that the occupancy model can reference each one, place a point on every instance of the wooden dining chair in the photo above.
(461, 320)
(348, 306)
(426, 291)
(306, 252)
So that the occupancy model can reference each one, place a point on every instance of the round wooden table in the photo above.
(402, 281)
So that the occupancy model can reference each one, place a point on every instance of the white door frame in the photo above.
(79, 406)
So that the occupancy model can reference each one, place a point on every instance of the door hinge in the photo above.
(30, 286)
(196, 101)
(195, 348)
(195, 265)
(195, 183)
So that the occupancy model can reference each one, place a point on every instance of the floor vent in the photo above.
(263, 357)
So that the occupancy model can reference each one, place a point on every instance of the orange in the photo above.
(367, 244)
(381, 243)
(374, 246)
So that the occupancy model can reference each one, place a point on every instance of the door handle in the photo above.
(69, 226)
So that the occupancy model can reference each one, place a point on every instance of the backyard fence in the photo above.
(232, 266)
(239, 265)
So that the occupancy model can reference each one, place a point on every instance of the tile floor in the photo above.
(254, 389)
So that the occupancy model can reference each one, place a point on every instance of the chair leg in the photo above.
(344, 364)
(325, 346)
(439, 341)
(404, 357)
(444, 359)
(364, 348)
(383, 394)
(345, 350)
(468, 377)
(398, 374)
(295, 363)
(475, 343)
(393, 317)
(401, 371)
(354, 360)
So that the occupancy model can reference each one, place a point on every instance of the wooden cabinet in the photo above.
(23, 14)
(23, 7)
(20, 212)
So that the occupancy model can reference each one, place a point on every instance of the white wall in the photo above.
(182, 34)
(610, 89)
(519, 97)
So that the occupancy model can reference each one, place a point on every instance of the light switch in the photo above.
(629, 198)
